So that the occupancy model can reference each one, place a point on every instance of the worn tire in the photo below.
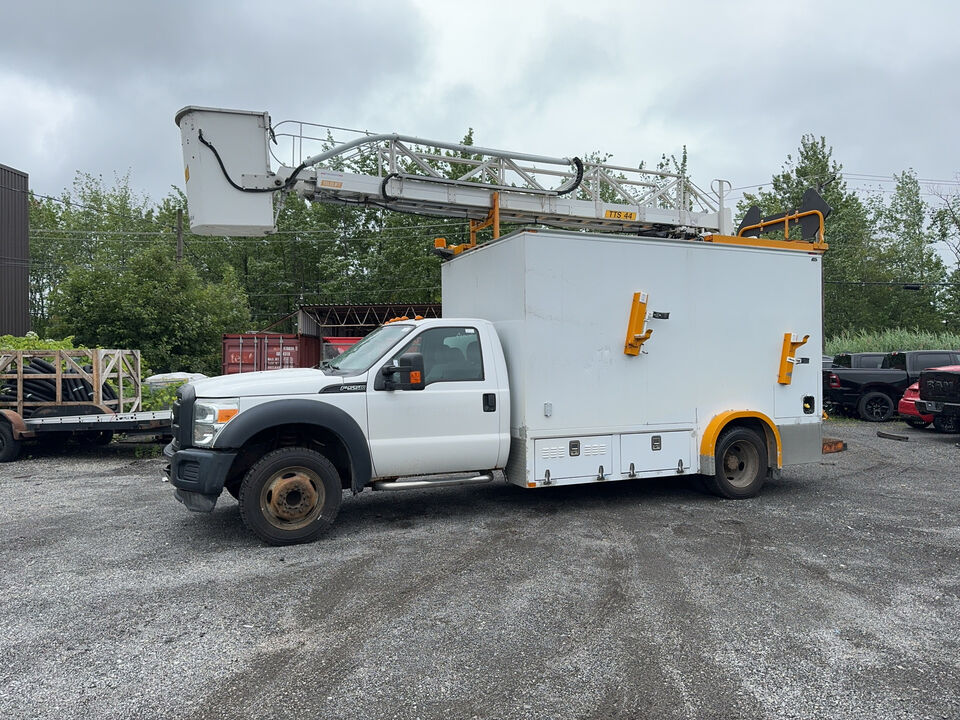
(916, 422)
(9, 447)
(292, 495)
(946, 423)
(741, 464)
(876, 406)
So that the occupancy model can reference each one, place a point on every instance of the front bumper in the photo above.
(198, 475)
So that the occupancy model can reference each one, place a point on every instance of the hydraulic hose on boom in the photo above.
(227, 158)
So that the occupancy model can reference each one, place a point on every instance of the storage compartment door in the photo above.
(573, 457)
(656, 451)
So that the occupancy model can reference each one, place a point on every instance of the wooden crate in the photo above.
(121, 368)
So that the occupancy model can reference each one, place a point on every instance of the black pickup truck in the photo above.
(940, 396)
(873, 393)
(858, 360)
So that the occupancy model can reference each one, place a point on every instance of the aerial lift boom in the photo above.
(226, 155)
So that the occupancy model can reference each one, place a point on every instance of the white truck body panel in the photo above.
(560, 302)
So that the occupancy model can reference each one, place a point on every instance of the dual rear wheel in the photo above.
(741, 464)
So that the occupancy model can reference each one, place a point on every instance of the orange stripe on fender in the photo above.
(708, 444)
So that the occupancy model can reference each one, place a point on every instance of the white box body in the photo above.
(240, 138)
(560, 302)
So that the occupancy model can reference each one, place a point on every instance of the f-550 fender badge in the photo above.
(350, 387)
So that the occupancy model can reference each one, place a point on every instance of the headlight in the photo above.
(209, 418)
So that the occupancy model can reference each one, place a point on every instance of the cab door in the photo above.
(452, 424)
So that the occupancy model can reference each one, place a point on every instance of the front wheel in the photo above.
(875, 407)
(292, 495)
(741, 464)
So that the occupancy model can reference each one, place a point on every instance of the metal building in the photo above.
(357, 320)
(14, 252)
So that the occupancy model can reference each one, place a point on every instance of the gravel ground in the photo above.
(835, 594)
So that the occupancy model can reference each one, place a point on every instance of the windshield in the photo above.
(360, 357)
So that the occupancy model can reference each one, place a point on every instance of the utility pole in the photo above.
(179, 236)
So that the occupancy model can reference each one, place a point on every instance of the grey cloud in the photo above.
(133, 65)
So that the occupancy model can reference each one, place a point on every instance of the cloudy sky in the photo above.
(94, 86)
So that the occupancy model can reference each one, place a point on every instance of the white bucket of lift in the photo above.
(240, 138)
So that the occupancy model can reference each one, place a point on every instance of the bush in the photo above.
(32, 341)
(160, 398)
(890, 340)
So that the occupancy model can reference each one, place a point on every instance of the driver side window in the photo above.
(450, 354)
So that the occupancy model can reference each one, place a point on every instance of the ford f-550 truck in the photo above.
(564, 356)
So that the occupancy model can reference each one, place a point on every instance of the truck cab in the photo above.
(413, 398)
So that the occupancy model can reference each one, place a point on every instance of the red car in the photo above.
(907, 407)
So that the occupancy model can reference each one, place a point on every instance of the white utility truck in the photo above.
(644, 340)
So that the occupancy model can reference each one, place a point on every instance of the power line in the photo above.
(72, 203)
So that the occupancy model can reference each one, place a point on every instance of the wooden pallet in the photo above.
(121, 368)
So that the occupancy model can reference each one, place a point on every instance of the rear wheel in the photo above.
(292, 495)
(946, 423)
(875, 407)
(9, 447)
(741, 464)
(916, 422)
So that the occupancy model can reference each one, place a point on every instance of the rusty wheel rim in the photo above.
(292, 498)
(741, 462)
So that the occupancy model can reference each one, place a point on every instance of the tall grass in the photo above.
(890, 340)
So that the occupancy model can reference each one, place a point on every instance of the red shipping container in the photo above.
(251, 352)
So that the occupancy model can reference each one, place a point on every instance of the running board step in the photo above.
(439, 482)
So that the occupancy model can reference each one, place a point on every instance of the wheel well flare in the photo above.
(746, 418)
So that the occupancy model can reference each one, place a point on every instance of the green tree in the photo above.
(851, 257)
(946, 229)
(153, 304)
(906, 254)
(92, 221)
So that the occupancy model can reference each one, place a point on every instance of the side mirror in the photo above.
(406, 374)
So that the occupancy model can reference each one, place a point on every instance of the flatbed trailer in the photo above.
(137, 421)
(15, 430)
(52, 394)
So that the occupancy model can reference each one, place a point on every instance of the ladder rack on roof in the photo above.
(427, 177)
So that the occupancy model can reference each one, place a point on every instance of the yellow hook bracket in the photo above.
(788, 357)
(636, 336)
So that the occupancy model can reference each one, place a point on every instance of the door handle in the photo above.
(489, 402)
